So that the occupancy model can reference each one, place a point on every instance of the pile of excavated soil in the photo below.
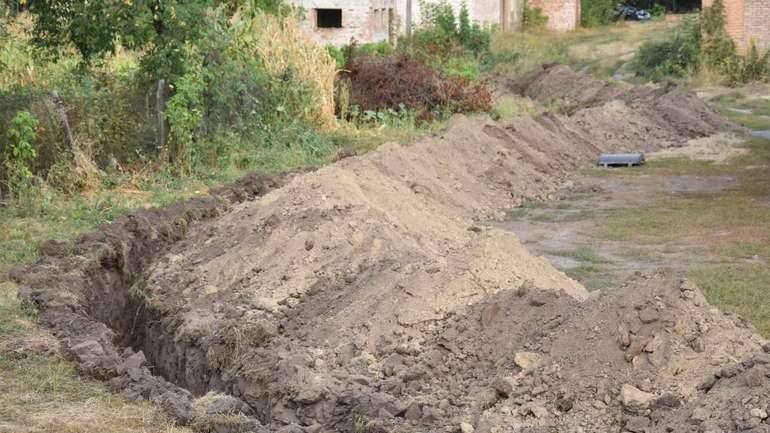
(643, 118)
(369, 295)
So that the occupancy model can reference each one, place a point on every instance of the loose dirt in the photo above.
(375, 294)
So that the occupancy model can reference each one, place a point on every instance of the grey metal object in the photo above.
(621, 159)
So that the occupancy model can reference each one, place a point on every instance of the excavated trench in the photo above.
(372, 290)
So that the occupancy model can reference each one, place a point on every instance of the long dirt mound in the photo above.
(370, 295)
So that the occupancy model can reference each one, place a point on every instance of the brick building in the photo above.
(747, 20)
(337, 22)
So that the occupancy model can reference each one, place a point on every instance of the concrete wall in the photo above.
(563, 15)
(362, 20)
(747, 20)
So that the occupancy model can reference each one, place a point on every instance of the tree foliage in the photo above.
(161, 28)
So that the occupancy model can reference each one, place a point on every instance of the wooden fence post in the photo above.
(160, 104)
(62, 110)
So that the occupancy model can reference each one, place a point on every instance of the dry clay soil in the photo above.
(374, 294)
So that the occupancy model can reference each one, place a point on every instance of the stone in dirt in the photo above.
(635, 399)
(526, 360)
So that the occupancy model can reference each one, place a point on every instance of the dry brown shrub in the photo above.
(386, 82)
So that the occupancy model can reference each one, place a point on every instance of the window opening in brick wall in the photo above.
(328, 18)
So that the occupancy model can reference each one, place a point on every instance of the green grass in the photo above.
(598, 50)
(751, 121)
(729, 228)
(742, 289)
(669, 219)
(524, 209)
(758, 119)
(584, 254)
(510, 106)
(43, 393)
(738, 99)
(591, 275)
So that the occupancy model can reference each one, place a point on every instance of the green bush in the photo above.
(720, 52)
(465, 68)
(702, 41)
(679, 56)
(20, 151)
(442, 34)
(719, 48)
(596, 13)
(752, 67)
(658, 10)
(533, 18)
(338, 54)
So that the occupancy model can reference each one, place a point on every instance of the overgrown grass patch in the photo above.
(751, 121)
(740, 100)
(584, 254)
(740, 288)
(591, 275)
(600, 50)
(42, 394)
(729, 228)
(509, 106)
(524, 209)
(669, 219)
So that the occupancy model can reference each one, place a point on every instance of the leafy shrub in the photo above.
(20, 153)
(719, 48)
(442, 33)
(380, 83)
(533, 18)
(679, 56)
(702, 42)
(658, 10)
(720, 51)
(596, 13)
(749, 68)
(463, 68)
(184, 112)
(343, 53)
(28, 195)
(338, 54)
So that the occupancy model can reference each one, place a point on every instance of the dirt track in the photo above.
(373, 294)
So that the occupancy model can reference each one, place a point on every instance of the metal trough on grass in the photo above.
(621, 159)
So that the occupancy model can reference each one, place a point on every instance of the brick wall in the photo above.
(734, 9)
(562, 14)
(747, 20)
(756, 23)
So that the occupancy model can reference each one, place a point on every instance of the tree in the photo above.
(161, 28)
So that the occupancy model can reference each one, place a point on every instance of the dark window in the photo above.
(328, 18)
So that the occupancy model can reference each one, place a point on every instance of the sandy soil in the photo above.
(374, 294)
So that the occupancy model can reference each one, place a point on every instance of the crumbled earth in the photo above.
(373, 295)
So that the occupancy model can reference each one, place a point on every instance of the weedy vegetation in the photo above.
(701, 46)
